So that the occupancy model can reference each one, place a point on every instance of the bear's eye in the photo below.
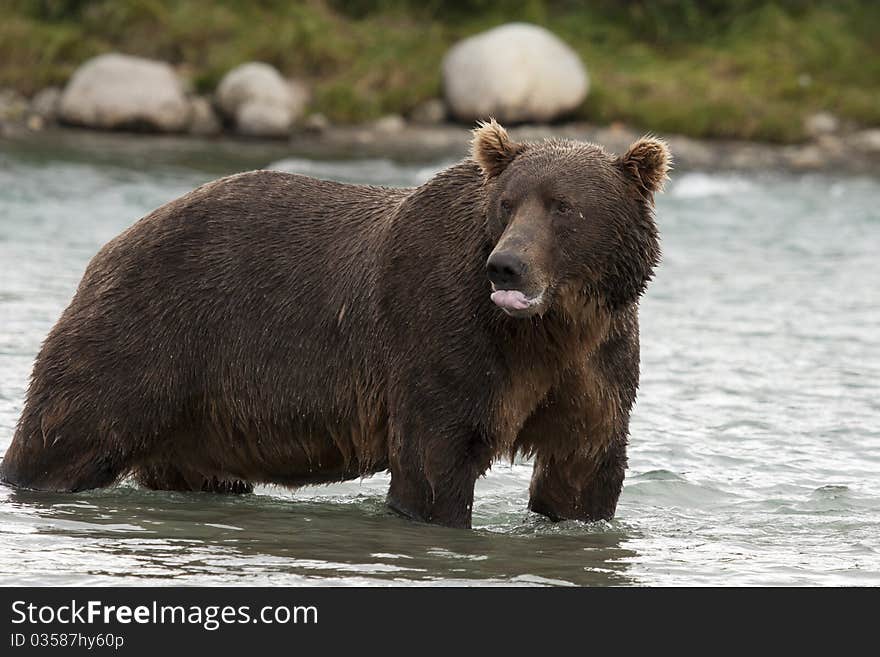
(561, 207)
(506, 207)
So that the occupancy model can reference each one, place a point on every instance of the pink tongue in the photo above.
(510, 299)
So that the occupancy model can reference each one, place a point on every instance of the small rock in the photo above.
(46, 103)
(35, 123)
(390, 123)
(260, 101)
(831, 144)
(692, 152)
(516, 73)
(203, 120)
(117, 91)
(821, 123)
(431, 112)
(867, 141)
(806, 158)
(12, 106)
(316, 123)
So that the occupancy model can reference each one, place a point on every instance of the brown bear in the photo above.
(269, 327)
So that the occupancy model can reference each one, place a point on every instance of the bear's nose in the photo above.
(505, 269)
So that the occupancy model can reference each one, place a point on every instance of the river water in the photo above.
(755, 450)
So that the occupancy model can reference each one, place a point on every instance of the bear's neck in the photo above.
(566, 333)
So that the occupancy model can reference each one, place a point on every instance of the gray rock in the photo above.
(867, 141)
(46, 103)
(316, 123)
(389, 123)
(431, 112)
(821, 123)
(260, 101)
(203, 120)
(119, 91)
(35, 123)
(516, 72)
(805, 158)
(12, 105)
(832, 145)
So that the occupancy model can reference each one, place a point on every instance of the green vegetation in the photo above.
(707, 68)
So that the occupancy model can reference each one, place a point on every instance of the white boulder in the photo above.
(516, 73)
(120, 91)
(260, 101)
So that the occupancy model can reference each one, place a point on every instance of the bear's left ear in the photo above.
(492, 148)
(648, 162)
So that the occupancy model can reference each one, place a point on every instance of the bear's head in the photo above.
(570, 223)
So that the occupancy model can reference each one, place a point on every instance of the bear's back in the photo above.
(252, 283)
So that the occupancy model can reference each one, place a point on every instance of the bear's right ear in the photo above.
(492, 148)
(648, 162)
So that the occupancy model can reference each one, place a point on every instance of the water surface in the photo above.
(755, 450)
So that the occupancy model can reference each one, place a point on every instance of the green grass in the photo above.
(714, 68)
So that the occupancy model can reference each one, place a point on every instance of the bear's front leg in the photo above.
(433, 473)
(580, 433)
(582, 485)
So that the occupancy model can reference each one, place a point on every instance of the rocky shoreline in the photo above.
(258, 110)
(393, 138)
(857, 152)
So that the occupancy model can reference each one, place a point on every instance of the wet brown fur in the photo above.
(269, 327)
